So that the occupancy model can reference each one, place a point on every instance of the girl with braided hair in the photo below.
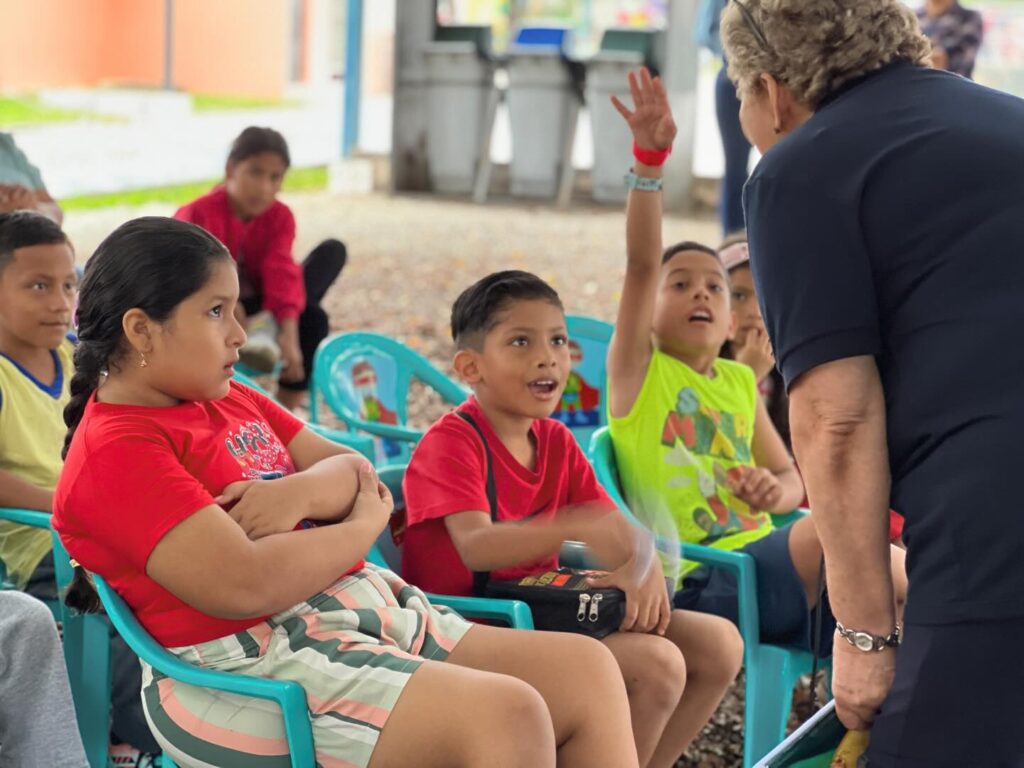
(162, 495)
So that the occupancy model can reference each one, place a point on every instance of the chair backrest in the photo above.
(364, 379)
(385, 552)
(584, 407)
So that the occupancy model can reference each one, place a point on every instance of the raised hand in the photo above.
(651, 117)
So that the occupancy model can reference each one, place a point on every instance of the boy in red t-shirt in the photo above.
(280, 300)
(513, 350)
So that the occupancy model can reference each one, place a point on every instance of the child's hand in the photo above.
(756, 352)
(757, 486)
(263, 508)
(651, 119)
(374, 503)
(647, 606)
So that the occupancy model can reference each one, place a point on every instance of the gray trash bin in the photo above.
(543, 104)
(621, 50)
(461, 88)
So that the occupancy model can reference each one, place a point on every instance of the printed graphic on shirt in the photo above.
(258, 451)
(705, 447)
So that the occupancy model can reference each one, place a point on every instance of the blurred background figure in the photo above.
(956, 33)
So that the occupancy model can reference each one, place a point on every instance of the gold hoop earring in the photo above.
(142, 361)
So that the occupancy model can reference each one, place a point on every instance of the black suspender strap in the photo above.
(480, 578)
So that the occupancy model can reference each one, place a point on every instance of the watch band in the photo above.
(642, 183)
(867, 642)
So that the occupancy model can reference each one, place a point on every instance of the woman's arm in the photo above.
(209, 563)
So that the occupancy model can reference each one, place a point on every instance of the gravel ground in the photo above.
(409, 257)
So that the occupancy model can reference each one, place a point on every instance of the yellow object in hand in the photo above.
(851, 748)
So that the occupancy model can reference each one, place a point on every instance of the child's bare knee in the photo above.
(660, 676)
(730, 644)
(514, 712)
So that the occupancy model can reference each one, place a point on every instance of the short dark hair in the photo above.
(23, 229)
(688, 245)
(475, 312)
(255, 141)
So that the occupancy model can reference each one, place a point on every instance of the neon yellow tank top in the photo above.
(31, 436)
(675, 448)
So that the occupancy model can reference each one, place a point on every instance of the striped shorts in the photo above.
(352, 647)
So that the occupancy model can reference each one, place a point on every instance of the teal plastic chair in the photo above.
(361, 443)
(583, 407)
(364, 379)
(86, 650)
(771, 670)
(288, 695)
(386, 554)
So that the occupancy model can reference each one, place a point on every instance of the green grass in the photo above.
(214, 102)
(26, 110)
(297, 180)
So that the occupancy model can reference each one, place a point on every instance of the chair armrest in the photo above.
(356, 442)
(30, 517)
(390, 431)
(514, 612)
(788, 518)
(742, 566)
(290, 696)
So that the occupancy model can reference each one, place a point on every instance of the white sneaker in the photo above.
(261, 352)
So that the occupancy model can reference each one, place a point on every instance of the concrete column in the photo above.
(414, 28)
(680, 77)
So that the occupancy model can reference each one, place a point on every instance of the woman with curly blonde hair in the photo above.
(885, 240)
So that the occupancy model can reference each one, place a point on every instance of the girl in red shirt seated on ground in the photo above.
(280, 300)
(165, 494)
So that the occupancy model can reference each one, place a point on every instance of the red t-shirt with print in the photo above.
(448, 475)
(135, 472)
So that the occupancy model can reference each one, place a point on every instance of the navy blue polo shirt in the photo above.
(892, 224)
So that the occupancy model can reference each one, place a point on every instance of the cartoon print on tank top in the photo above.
(701, 443)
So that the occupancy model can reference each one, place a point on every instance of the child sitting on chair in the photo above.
(162, 495)
(694, 444)
(280, 300)
(510, 333)
(38, 286)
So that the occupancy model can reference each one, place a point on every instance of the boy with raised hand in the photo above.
(695, 447)
(512, 349)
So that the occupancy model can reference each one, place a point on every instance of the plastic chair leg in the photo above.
(769, 698)
(89, 673)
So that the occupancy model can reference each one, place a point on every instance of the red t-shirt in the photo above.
(262, 247)
(134, 472)
(448, 475)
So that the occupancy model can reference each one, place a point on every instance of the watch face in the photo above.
(864, 641)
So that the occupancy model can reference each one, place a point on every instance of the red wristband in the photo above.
(651, 157)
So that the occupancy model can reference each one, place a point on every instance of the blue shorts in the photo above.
(956, 701)
(781, 598)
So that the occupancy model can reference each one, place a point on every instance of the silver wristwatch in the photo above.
(865, 641)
